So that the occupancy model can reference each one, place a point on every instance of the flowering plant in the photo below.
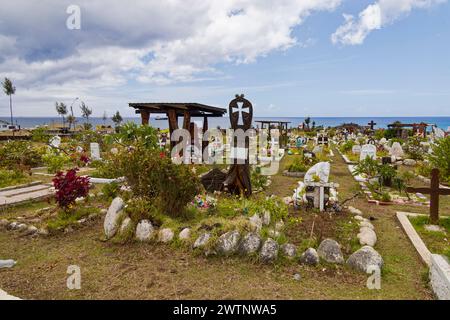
(69, 187)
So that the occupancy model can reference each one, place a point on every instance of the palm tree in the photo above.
(9, 90)
(61, 108)
(307, 121)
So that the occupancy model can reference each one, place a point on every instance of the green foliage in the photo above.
(153, 176)
(258, 181)
(414, 149)
(70, 217)
(368, 167)
(16, 154)
(440, 158)
(132, 134)
(386, 173)
(117, 118)
(298, 165)
(111, 190)
(106, 168)
(379, 134)
(55, 160)
(347, 146)
(40, 135)
(12, 177)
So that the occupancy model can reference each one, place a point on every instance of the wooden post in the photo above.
(186, 120)
(205, 128)
(434, 191)
(145, 117)
(173, 124)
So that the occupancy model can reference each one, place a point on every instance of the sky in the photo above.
(291, 58)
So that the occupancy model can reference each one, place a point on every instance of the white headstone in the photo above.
(396, 150)
(439, 133)
(321, 169)
(368, 150)
(79, 149)
(383, 141)
(356, 149)
(95, 151)
(55, 141)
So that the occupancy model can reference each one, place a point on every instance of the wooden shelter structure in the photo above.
(401, 128)
(350, 127)
(282, 126)
(175, 110)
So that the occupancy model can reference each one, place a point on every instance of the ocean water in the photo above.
(382, 122)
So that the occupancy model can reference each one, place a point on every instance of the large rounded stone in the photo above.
(364, 258)
(409, 162)
(202, 240)
(250, 244)
(228, 243)
(289, 250)
(185, 234)
(144, 230)
(310, 257)
(367, 236)
(110, 224)
(125, 224)
(165, 235)
(366, 224)
(330, 251)
(269, 251)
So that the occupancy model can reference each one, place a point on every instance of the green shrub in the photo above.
(19, 154)
(347, 146)
(12, 177)
(258, 180)
(440, 158)
(55, 161)
(298, 165)
(414, 149)
(111, 190)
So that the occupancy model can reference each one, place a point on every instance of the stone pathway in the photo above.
(19, 195)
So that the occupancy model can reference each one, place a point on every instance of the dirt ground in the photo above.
(155, 271)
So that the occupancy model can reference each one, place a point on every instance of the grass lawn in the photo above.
(156, 271)
(436, 242)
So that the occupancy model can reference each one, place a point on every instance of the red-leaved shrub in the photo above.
(69, 186)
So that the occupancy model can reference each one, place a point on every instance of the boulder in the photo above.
(13, 225)
(367, 236)
(165, 235)
(289, 250)
(228, 243)
(110, 224)
(366, 224)
(279, 226)
(365, 257)
(31, 230)
(330, 251)
(185, 234)
(250, 244)
(269, 251)
(202, 240)
(256, 222)
(354, 211)
(310, 257)
(7, 263)
(144, 230)
(22, 227)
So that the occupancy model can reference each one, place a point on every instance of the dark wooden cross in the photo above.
(371, 124)
(434, 191)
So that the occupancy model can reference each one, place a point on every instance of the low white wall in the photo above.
(440, 277)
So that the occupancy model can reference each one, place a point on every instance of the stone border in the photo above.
(5, 296)
(439, 267)
(18, 186)
(413, 236)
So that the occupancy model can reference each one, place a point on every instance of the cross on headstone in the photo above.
(434, 191)
(372, 124)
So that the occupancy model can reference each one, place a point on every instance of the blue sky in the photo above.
(390, 59)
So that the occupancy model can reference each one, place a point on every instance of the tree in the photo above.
(85, 113)
(61, 108)
(308, 121)
(71, 120)
(117, 118)
(9, 90)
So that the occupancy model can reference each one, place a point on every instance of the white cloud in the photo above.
(375, 16)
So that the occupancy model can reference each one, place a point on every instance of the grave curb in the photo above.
(18, 186)
(5, 296)
(439, 268)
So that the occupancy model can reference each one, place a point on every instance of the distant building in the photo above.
(5, 126)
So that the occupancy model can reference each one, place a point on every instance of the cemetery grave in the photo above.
(288, 225)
